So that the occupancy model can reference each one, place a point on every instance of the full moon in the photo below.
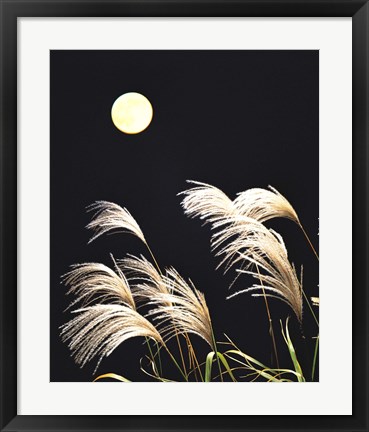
(131, 113)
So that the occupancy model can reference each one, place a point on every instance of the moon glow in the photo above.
(131, 113)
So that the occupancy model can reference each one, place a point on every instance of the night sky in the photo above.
(234, 119)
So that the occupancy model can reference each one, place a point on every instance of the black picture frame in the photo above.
(10, 11)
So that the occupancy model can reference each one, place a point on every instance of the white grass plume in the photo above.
(92, 282)
(262, 254)
(230, 236)
(98, 330)
(241, 238)
(182, 309)
(211, 204)
(206, 202)
(146, 281)
(111, 217)
(262, 205)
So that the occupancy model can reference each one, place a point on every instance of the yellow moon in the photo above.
(131, 113)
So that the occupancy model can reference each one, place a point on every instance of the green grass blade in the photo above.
(247, 358)
(226, 365)
(208, 366)
(258, 369)
(292, 352)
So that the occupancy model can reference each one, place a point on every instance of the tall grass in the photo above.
(136, 298)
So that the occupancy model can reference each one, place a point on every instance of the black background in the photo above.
(235, 119)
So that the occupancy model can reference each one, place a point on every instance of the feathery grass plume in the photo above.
(206, 201)
(262, 205)
(111, 217)
(147, 281)
(182, 309)
(265, 257)
(211, 204)
(97, 282)
(98, 330)
(230, 235)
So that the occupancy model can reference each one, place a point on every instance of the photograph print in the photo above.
(184, 216)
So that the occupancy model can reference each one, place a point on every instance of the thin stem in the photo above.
(190, 357)
(160, 272)
(194, 356)
(307, 300)
(159, 357)
(216, 354)
(191, 361)
(181, 353)
(311, 309)
(271, 331)
(148, 345)
(197, 362)
(308, 239)
(315, 356)
(175, 362)
(192, 366)
(153, 257)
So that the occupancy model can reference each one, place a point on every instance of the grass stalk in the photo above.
(176, 333)
(308, 239)
(181, 353)
(150, 350)
(271, 331)
(159, 358)
(176, 363)
(194, 358)
(311, 309)
(315, 357)
(216, 354)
